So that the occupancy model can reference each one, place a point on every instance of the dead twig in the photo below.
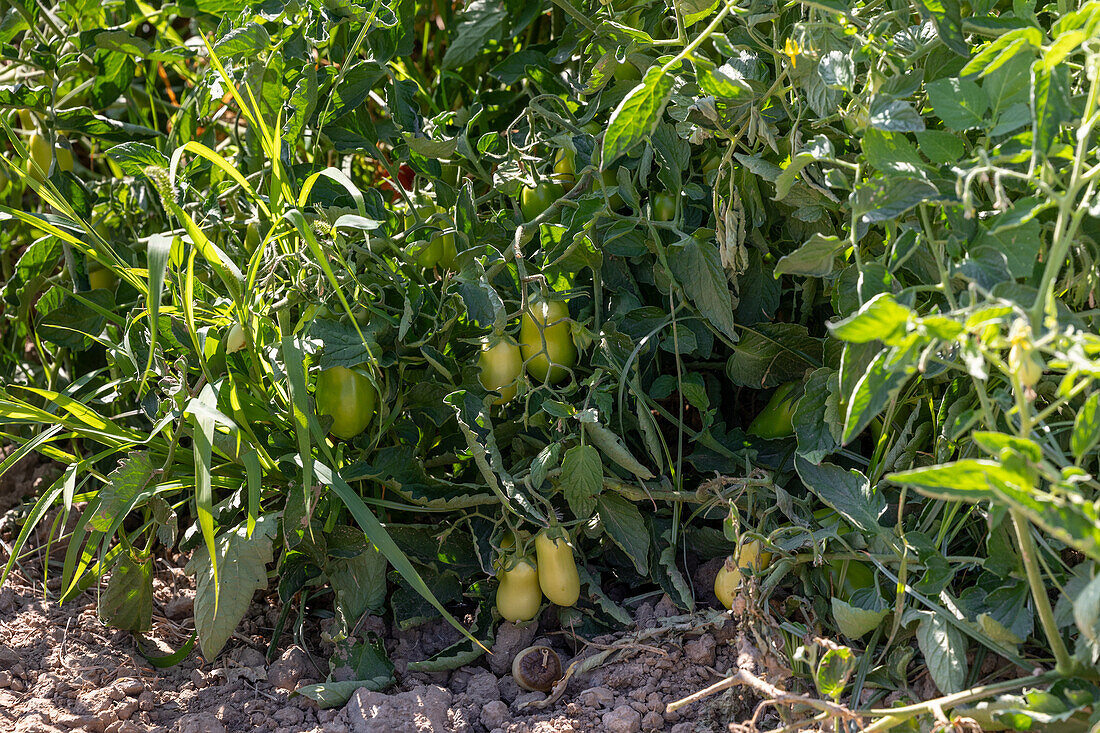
(769, 692)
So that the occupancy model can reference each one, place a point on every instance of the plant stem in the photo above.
(1062, 658)
(894, 716)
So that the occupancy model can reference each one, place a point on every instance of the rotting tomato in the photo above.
(349, 398)
(776, 419)
(534, 201)
(501, 363)
(848, 576)
(519, 595)
(663, 206)
(549, 320)
(558, 576)
(752, 557)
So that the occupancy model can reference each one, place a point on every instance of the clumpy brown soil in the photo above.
(61, 669)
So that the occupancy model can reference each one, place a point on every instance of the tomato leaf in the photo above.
(624, 525)
(581, 479)
(242, 563)
(637, 115)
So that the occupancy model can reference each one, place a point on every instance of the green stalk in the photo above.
(1063, 661)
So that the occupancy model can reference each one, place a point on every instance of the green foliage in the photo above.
(889, 210)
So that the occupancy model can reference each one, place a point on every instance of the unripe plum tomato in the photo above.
(26, 120)
(565, 167)
(776, 419)
(848, 576)
(534, 201)
(610, 179)
(440, 250)
(64, 155)
(751, 556)
(518, 595)
(558, 575)
(4, 178)
(40, 153)
(349, 398)
(252, 237)
(663, 206)
(626, 71)
(101, 278)
(501, 363)
(547, 319)
(235, 340)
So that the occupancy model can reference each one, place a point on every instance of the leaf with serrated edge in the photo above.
(241, 562)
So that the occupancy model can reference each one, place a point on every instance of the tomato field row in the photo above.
(523, 312)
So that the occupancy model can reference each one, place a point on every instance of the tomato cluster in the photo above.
(524, 580)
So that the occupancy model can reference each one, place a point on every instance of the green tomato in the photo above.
(609, 179)
(26, 120)
(663, 206)
(626, 71)
(41, 155)
(534, 201)
(564, 167)
(64, 155)
(518, 595)
(235, 340)
(775, 420)
(440, 250)
(848, 576)
(101, 278)
(549, 320)
(349, 398)
(252, 237)
(501, 363)
(558, 577)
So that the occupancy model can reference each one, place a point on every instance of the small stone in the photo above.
(130, 686)
(128, 727)
(8, 657)
(17, 685)
(126, 709)
(422, 709)
(701, 650)
(18, 671)
(623, 719)
(527, 697)
(114, 727)
(5, 679)
(665, 607)
(596, 697)
(510, 640)
(508, 688)
(181, 608)
(147, 701)
(199, 723)
(494, 714)
(482, 688)
(683, 728)
(653, 721)
(288, 716)
(198, 679)
(79, 722)
(288, 670)
(246, 656)
(106, 717)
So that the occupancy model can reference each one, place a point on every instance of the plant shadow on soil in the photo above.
(61, 669)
